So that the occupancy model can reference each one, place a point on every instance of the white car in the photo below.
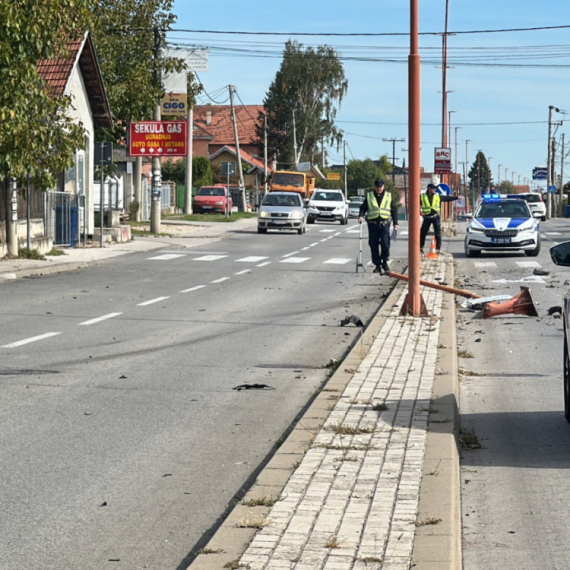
(327, 205)
(502, 224)
(282, 211)
(535, 203)
(354, 209)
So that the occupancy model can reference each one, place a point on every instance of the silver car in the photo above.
(282, 211)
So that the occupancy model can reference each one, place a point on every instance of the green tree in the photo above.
(479, 175)
(311, 85)
(175, 170)
(361, 174)
(36, 135)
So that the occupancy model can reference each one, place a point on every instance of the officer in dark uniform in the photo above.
(379, 209)
(430, 209)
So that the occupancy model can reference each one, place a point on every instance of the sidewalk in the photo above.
(369, 477)
(197, 234)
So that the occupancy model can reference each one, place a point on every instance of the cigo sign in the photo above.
(158, 138)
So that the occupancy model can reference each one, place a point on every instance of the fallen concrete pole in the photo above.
(445, 288)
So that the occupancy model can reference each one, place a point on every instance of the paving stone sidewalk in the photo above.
(352, 503)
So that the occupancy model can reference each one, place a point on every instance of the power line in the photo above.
(439, 124)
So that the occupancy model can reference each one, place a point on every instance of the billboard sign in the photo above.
(333, 175)
(442, 160)
(540, 173)
(158, 138)
(174, 104)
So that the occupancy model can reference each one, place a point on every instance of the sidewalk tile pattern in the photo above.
(352, 502)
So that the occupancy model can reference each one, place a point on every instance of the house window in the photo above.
(228, 168)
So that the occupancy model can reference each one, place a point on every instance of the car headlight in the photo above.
(263, 214)
(475, 231)
(219, 203)
(296, 215)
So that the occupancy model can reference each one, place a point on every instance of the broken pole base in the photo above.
(407, 309)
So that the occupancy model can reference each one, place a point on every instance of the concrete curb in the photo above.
(229, 541)
(438, 546)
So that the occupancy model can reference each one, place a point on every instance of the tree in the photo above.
(479, 174)
(175, 170)
(311, 85)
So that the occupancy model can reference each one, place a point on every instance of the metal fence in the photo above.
(165, 199)
(64, 218)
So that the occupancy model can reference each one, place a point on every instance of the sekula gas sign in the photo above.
(158, 138)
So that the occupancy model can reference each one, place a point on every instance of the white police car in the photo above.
(502, 224)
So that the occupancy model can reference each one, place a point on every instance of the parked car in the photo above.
(282, 211)
(502, 224)
(327, 205)
(358, 199)
(212, 199)
(354, 209)
(535, 203)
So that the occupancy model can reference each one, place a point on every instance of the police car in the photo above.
(502, 224)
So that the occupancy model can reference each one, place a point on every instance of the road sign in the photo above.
(158, 138)
(539, 173)
(104, 153)
(444, 189)
(333, 175)
(442, 160)
(552, 189)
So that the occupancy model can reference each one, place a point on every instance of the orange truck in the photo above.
(301, 180)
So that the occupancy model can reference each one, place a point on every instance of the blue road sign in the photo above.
(552, 189)
(539, 173)
(444, 189)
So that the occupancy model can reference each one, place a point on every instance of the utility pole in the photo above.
(489, 173)
(405, 188)
(12, 217)
(499, 175)
(466, 165)
(188, 191)
(265, 155)
(295, 142)
(455, 171)
(553, 176)
(240, 171)
(478, 174)
(156, 169)
(322, 152)
(562, 179)
(345, 172)
(394, 141)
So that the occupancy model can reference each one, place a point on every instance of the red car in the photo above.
(212, 199)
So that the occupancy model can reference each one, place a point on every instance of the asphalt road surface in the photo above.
(516, 488)
(122, 438)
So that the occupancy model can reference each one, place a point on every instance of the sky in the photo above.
(499, 86)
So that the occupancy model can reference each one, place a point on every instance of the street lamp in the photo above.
(499, 175)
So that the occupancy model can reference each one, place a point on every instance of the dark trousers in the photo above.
(379, 242)
(436, 221)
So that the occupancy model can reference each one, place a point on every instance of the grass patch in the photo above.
(209, 551)
(428, 521)
(464, 354)
(468, 440)
(381, 407)
(340, 429)
(148, 233)
(260, 502)
(212, 217)
(259, 523)
(332, 542)
(26, 253)
(56, 252)
(234, 565)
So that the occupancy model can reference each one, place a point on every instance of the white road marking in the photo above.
(220, 280)
(404, 233)
(326, 231)
(99, 319)
(314, 244)
(295, 260)
(485, 264)
(337, 233)
(253, 258)
(528, 264)
(553, 233)
(209, 258)
(290, 254)
(263, 264)
(305, 248)
(531, 279)
(168, 256)
(324, 240)
(243, 272)
(353, 231)
(157, 300)
(338, 260)
(193, 289)
(28, 340)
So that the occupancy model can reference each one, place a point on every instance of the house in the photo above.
(71, 202)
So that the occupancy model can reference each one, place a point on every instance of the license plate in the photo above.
(278, 222)
(325, 214)
(207, 207)
(501, 240)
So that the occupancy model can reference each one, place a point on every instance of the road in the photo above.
(122, 438)
(515, 488)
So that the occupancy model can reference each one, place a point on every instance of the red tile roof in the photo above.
(55, 72)
(245, 156)
(221, 127)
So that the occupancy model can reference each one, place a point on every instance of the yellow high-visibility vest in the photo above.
(427, 207)
(374, 210)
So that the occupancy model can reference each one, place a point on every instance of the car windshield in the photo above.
(354, 204)
(328, 196)
(533, 198)
(211, 192)
(281, 200)
(503, 210)
(288, 179)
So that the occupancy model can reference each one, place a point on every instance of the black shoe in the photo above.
(377, 269)
(385, 266)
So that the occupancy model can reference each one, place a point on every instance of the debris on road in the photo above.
(253, 387)
(351, 319)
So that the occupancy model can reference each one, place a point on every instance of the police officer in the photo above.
(430, 209)
(379, 208)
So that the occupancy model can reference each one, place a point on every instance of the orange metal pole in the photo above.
(445, 288)
(414, 304)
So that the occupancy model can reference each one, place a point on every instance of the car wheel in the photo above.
(310, 220)
(566, 380)
(543, 219)
(300, 231)
(261, 230)
(534, 252)
(470, 252)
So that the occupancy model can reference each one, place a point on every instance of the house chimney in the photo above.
(208, 117)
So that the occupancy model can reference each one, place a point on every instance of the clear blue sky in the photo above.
(376, 104)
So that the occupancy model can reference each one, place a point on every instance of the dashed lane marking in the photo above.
(168, 256)
(99, 319)
(295, 260)
(485, 264)
(353, 231)
(290, 254)
(263, 264)
(338, 260)
(32, 339)
(243, 272)
(553, 233)
(157, 300)
(220, 280)
(209, 258)
(527, 264)
(195, 288)
(252, 258)
(314, 244)
(326, 231)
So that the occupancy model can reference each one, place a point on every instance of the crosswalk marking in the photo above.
(528, 264)
(338, 260)
(243, 272)
(252, 258)
(263, 264)
(353, 231)
(99, 319)
(485, 264)
(32, 339)
(290, 254)
(168, 256)
(157, 300)
(209, 257)
(553, 233)
(193, 289)
(295, 260)
(220, 280)
(326, 231)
